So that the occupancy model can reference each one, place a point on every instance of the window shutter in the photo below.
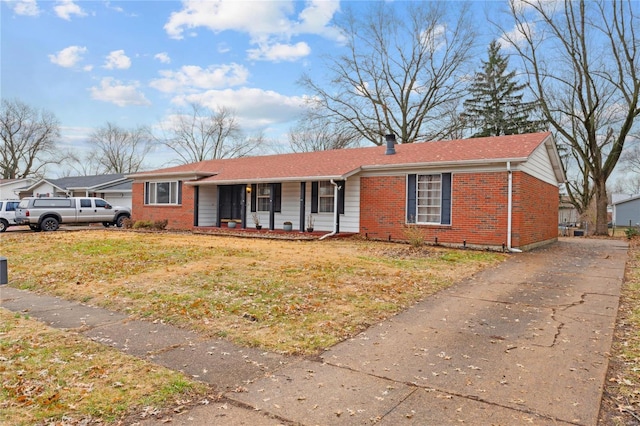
(146, 192)
(341, 193)
(314, 197)
(179, 192)
(277, 197)
(254, 197)
(411, 198)
(445, 218)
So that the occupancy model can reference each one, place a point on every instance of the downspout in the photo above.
(335, 211)
(510, 209)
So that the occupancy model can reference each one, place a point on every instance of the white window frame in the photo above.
(429, 198)
(263, 197)
(326, 199)
(151, 193)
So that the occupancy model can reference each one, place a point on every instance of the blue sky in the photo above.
(134, 62)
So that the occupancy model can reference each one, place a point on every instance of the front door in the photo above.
(231, 202)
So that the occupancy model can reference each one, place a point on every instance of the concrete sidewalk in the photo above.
(525, 342)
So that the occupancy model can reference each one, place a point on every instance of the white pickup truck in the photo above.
(46, 214)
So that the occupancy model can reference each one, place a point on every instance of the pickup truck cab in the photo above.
(8, 213)
(46, 214)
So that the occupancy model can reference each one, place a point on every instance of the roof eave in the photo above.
(438, 164)
(269, 180)
(188, 175)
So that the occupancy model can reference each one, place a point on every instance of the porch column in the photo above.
(272, 206)
(303, 195)
(196, 203)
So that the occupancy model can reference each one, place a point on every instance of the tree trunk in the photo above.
(602, 219)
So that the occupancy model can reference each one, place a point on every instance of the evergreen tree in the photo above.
(495, 107)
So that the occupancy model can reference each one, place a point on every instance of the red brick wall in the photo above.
(179, 217)
(478, 212)
(536, 218)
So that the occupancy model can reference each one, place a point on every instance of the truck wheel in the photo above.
(3, 225)
(120, 221)
(49, 224)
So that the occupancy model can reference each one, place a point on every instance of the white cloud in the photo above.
(191, 77)
(65, 8)
(114, 91)
(270, 24)
(163, 57)
(68, 57)
(255, 108)
(279, 52)
(117, 60)
(24, 7)
(517, 36)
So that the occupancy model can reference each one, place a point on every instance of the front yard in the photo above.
(286, 296)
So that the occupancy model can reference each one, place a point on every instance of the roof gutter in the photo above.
(510, 209)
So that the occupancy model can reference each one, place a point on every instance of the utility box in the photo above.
(4, 279)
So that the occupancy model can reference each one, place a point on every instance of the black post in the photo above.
(303, 199)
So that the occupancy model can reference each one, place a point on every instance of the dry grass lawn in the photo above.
(286, 296)
(279, 295)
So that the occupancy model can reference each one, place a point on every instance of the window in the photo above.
(325, 197)
(163, 192)
(102, 203)
(322, 196)
(264, 194)
(429, 199)
(85, 203)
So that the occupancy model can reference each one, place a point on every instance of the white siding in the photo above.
(119, 199)
(539, 165)
(290, 211)
(207, 211)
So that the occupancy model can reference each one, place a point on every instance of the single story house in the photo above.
(626, 211)
(114, 188)
(10, 188)
(484, 192)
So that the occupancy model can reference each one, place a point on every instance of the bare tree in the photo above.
(402, 70)
(27, 139)
(315, 132)
(201, 134)
(118, 150)
(583, 63)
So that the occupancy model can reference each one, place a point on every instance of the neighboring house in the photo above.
(626, 211)
(10, 188)
(114, 188)
(567, 213)
(482, 192)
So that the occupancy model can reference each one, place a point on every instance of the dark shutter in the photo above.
(411, 199)
(179, 192)
(341, 193)
(314, 197)
(445, 205)
(254, 197)
(146, 192)
(277, 197)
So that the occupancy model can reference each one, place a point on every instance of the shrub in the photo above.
(143, 224)
(413, 234)
(160, 225)
(631, 232)
(127, 223)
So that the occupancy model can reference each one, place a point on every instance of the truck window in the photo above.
(44, 202)
(101, 203)
(85, 202)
